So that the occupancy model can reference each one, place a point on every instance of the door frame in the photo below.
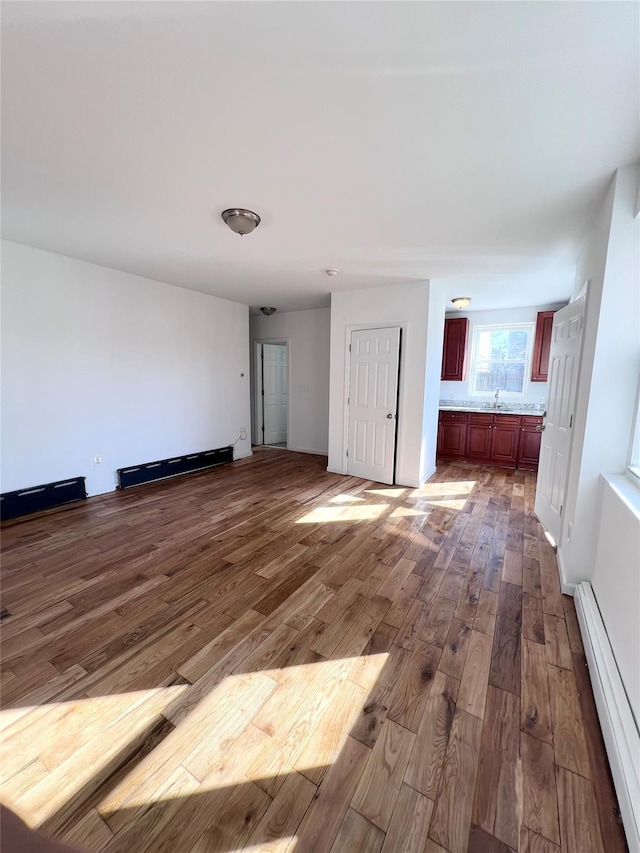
(360, 327)
(257, 418)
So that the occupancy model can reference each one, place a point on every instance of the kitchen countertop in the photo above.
(491, 411)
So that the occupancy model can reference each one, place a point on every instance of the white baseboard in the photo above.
(619, 729)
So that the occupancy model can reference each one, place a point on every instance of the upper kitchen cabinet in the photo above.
(541, 347)
(454, 349)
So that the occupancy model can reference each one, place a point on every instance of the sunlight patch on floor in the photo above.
(365, 512)
(344, 499)
(386, 493)
(456, 487)
(457, 504)
(407, 511)
(274, 845)
(74, 741)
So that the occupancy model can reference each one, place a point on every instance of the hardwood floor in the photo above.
(270, 657)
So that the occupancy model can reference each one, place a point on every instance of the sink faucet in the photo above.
(497, 397)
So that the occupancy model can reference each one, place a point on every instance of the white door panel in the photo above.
(275, 388)
(373, 392)
(564, 359)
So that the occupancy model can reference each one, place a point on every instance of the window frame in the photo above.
(632, 469)
(502, 327)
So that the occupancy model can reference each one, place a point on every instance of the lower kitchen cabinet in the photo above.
(529, 445)
(505, 440)
(505, 436)
(479, 437)
(452, 433)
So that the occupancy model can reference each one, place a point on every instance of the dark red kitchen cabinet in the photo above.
(529, 445)
(505, 437)
(479, 431)
(542, 346)
(452, 433)
(454, 349)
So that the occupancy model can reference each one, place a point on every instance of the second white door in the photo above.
(373, 397)
(275, 392)
(564, 360)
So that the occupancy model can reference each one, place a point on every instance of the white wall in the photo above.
(406, 306)
(433, 370)
(610, 364)
(461, 390)
(615, 577)
(308, 333)
(100, 362)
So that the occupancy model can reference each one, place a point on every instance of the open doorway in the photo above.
(271, 401)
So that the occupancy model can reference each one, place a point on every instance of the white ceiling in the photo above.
(470, 142)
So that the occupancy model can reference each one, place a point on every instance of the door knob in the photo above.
(390, 416)
(540, 428)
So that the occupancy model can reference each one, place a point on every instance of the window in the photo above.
(500, 359)
(633, 464)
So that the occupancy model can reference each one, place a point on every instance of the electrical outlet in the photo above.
(243, 432)
(97, 460)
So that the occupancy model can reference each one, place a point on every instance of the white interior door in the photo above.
(553, 467)
(275, 396)
(373, 395)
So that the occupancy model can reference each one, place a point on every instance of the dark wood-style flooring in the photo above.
(269, 657)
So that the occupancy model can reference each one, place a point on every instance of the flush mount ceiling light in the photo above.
(240, 221)
(332, 272)
(461, 301)
(268, 311)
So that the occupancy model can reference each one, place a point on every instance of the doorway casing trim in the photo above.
(257, 417)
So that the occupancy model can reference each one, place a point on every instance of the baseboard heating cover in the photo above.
(619, 727)
(37, 498)
(149, 472)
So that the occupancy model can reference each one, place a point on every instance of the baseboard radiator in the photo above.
(149, 472)
(25, 501)
(619, 727)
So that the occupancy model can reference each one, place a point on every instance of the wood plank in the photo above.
(454, 653)
(573, 626)
(579, 827)
(531, 842)
(497, 805)
(505, 656)
(438, 622)
(532, 619)
(409, 825)
(536, 705)
(606, 802)
(486, 611)
(324, 817)
(424, 769)
(481, 841)
(569, 741)
(283, 816)
(379, 786)
(451, 821)
(539, 796)
(357, 833)
(473, 686)
(408, 700)
(557, 646)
